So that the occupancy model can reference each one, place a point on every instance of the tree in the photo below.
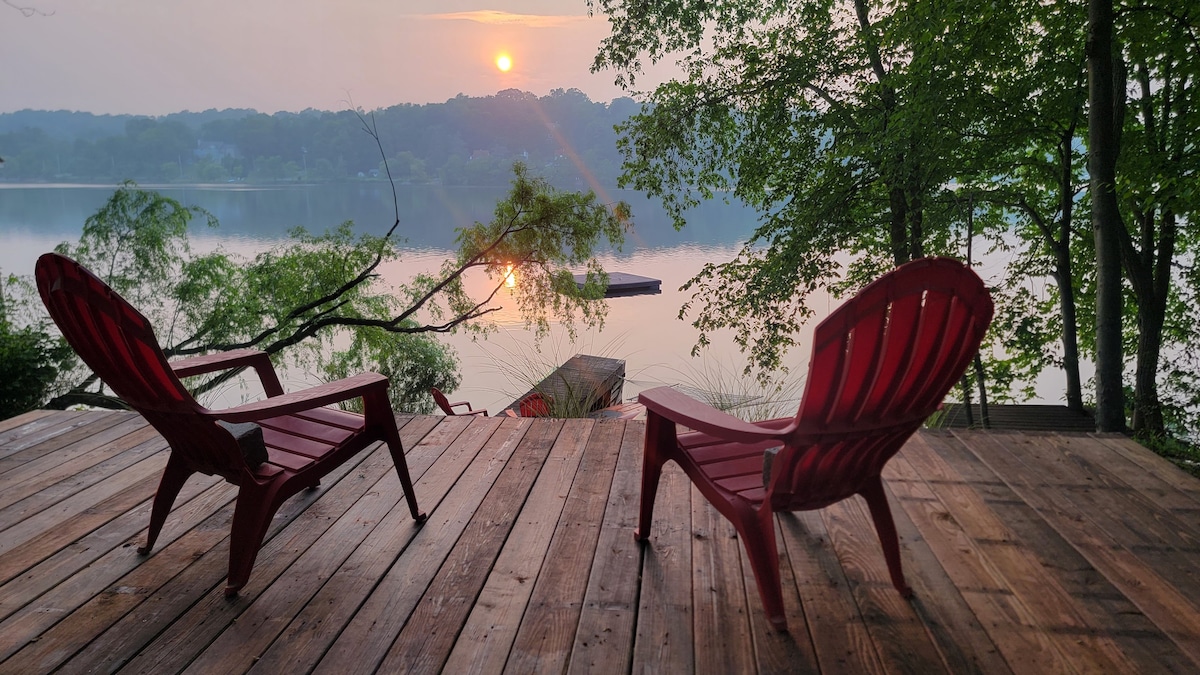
(1155, 183)
(1024, 169)
(318, 302)
(832, 119)
(865, 131)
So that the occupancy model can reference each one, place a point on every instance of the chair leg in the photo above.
(395, 447)
(173, 478)
(381, 418)
(251, 517)
(659, 432)
(758, 536)
(885, 527)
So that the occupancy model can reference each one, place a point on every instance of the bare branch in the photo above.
(28, 11)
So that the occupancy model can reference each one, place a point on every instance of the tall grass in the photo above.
(524, 365)
(726, 387)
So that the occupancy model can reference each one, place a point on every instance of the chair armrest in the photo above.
(305, 399)
(234, 358)
(469, 410)
(683, 409)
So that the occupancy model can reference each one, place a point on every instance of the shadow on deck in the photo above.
(1028, 553)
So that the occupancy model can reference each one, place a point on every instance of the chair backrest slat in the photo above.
(111, 337)
(119, 345)
(881, 364)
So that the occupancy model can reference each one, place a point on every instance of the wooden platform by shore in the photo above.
(582, 385)
(1022, 417)
(1028, 553)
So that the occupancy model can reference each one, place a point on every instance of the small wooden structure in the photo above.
(1022, 417)
(583, 384)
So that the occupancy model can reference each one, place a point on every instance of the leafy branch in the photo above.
(303, 294)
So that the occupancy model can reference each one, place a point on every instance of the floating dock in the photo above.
(621, 284)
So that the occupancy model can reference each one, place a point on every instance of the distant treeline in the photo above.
(564, 137)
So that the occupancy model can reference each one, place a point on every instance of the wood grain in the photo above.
(1027, 553)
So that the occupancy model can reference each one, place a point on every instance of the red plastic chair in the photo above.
(881, 364)
(535, 405)
(447, 407)
(303, 440)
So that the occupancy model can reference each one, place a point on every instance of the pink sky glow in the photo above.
(159, 56)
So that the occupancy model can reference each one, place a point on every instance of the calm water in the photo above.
(642, 330)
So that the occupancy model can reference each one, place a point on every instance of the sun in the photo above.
(504, 63)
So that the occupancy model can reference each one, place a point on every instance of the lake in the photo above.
(643, 330)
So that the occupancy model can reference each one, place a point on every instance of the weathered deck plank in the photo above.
(436, 621)
(48, 479)
(23, 420)
(189, 633)
(835, 625)
(664, 627)
(366, 639)
(318, 625)
(1122, 561)
(961, 640)
(722, 639)
(607, 622)
(38, 429)
(547, 629)
(1106, 608)
(1028, 552)
(1049, 605)
(904, 645)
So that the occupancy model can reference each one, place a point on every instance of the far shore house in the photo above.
(215, 150)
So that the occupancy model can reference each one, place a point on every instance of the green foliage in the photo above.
(836, 124)
(1185, 454)
(137, 243)
(725, 388)
(30, 355)
(539, 235)
(413, 363)
(317, 301)
(867, 133)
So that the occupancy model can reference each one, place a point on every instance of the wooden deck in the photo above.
(1019, 417)
(1028, 553)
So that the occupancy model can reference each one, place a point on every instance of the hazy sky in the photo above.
(159, 56)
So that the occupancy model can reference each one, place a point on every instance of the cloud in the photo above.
(498, 18)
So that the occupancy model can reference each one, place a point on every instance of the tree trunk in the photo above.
(1070, 334)
(1151, 281)
(88, 398)
(898, 233)
(1106, 218)
(916, 226)
(1147, 409)
(1065, 276)
(1148, 267)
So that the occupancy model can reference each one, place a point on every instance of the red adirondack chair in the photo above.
(300, 440)
(881, 365)
(447, 407)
